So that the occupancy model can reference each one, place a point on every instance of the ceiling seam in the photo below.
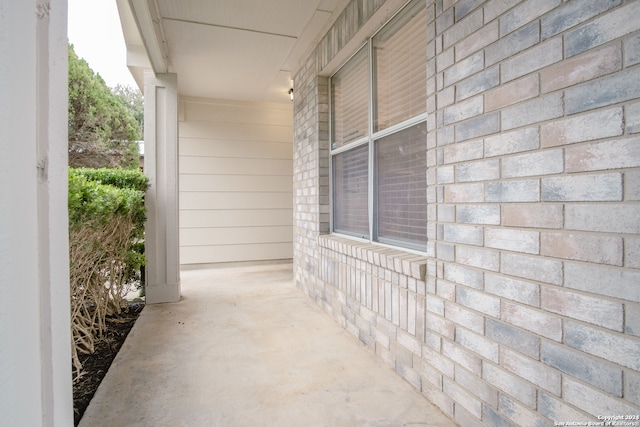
(186, 21)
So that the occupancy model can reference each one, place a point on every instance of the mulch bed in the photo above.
(96, 365)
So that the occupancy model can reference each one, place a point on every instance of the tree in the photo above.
(102, 129)
(133, 100)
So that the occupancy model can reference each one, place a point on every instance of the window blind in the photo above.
(400, 62)
(350, 189)
(350, 101)
(401, 187)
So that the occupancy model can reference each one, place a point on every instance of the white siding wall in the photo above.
(236, 173)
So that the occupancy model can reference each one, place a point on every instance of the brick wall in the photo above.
(525, 308)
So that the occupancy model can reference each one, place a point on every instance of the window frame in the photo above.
(370, 141)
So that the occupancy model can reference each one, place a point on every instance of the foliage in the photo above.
(106, 225)
(121, 178)
(133, 100)
(102, 129)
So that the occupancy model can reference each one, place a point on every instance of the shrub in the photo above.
(121, 178)
(106, 227)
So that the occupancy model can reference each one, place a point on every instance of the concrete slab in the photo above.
(245, 347)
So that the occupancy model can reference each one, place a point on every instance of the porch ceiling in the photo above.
(227, 49)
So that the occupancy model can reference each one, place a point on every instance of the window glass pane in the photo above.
(401, 187)
(400, 63)
(350, 189)
(349, 101)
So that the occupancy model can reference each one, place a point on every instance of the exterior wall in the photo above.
(525, 308)
(235, 181)
(35, 369)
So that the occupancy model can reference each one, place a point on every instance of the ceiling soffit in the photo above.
(240, 49)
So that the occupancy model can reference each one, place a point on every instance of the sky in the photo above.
(95, 32)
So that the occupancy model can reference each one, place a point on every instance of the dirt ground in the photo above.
(96, 365)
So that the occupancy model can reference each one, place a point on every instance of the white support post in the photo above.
(35, 355)
(161, 165)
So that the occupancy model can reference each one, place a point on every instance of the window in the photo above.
(400, 61)
(350, 101)
(378, 135)
(401, 187)
(351, 192)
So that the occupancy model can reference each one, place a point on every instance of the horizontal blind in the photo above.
(400, 63)
(350, 101)
(350, 192)
(401, 187)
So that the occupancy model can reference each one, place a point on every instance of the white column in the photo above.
(161, 165)
(35, 354)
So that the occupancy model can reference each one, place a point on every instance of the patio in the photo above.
(245, 347)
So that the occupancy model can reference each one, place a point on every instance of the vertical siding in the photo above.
(235, 181)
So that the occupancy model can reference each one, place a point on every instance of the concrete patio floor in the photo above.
(245, 347)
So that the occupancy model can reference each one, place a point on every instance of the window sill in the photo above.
(402, 262)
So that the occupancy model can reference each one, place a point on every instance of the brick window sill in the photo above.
(401, 262)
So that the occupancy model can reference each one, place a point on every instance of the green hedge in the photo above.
(121, 178)
(99, 196)
(106, 249)
(96, 194)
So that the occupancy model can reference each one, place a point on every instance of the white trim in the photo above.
(35, 360)
(371, 202)
(148, 21)
(161, 165)
(353, 144)
(400, 126)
